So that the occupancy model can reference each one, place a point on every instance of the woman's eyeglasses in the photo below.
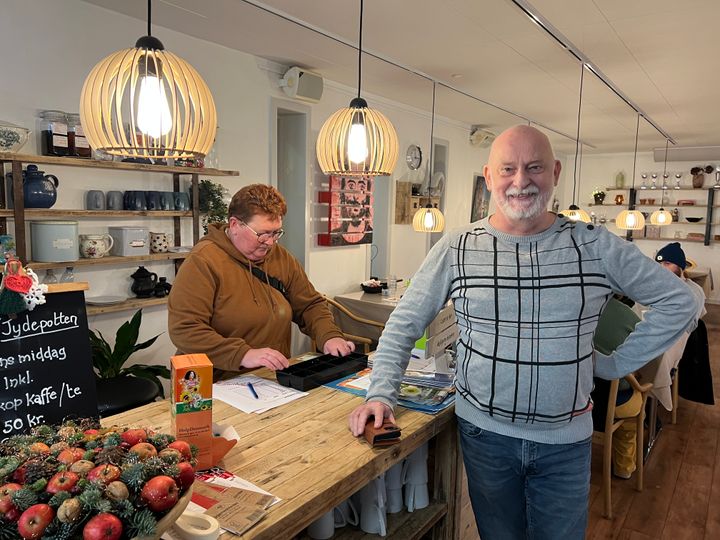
(264, 238)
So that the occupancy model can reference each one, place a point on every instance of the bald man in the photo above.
(528, 287)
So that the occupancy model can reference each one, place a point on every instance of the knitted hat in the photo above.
(672, 253)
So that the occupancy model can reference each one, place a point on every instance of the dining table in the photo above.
(303, 453)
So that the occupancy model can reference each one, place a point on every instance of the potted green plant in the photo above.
(109, 361)
(213, 203)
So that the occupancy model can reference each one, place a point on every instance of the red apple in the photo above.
(160, 493)
(134, 436)
(105, 473)
(185, 476)
(62, 481)
(144, 450)
(183, 447)
(70, 455)
(103, 527)
(6, 492)
(33, 521)
(13, 514)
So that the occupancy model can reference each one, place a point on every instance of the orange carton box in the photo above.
(191, 404)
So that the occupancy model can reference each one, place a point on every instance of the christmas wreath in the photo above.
(83, 481)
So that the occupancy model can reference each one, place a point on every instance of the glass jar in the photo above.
(68, 276)
(77, 142)
(53, 133)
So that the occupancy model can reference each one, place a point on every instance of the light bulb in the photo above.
(428, 221)
(630, 221)
(153, 111)
(357, 143)
(661, 217)
(573, 215)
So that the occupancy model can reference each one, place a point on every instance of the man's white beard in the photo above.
(538, 207)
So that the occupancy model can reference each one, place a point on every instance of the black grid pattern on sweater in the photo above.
(528, 281)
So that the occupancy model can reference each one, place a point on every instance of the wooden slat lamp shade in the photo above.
(575, 213)
(382, 143)
(110, 98)
(428, 219)
(630, 220)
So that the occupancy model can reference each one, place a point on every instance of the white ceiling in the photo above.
(660, 53)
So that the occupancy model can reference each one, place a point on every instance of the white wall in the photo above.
(600, 170)
(70, 37)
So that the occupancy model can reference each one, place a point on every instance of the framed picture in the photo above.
(480, 199)
(350, 206)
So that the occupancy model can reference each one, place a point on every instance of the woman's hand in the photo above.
(267, 357)
(359, 417)
(338, 347)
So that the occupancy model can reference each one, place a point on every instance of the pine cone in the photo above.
(40, 467)
(114, 454)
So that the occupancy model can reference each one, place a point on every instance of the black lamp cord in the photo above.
(432, 132)
(149, 17)
(637, 134)
(577, 135)
(359, 47)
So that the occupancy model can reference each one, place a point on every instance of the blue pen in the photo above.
(252, 390)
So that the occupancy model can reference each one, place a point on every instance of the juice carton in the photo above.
(191, 404)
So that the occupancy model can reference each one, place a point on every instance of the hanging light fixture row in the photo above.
(574, 212)
(429, 218)
(662, 217)
(357, 140)
(631, 219)
(148, 102)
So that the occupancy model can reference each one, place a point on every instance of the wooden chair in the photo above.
(675, 395)
(616, 323)
(366, 342)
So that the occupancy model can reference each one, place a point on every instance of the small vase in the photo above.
(599, 198)
(619, 199)
(698, 180)
(620, 180)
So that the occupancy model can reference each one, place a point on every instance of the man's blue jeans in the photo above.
(521, 489)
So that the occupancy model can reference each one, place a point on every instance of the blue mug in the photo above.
(182, 200)
(135, 200)
(152, 200)
(167, 200)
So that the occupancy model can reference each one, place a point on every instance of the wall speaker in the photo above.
(481, 137)
(304, 85)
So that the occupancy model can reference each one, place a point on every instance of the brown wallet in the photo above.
(385, 435)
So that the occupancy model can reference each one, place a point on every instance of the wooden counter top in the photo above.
(304, 453)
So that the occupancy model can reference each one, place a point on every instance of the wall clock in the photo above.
(413, 157)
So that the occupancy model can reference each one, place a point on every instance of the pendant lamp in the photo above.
(147, 102)
(631, 219)
(662, 217)
(356, 140)
(429, 219)
(574, 212)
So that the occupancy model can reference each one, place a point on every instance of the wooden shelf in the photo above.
(60, 213)
(118, 165)
(107, 260)
(130, 303)
(405, 525)
(670, 239)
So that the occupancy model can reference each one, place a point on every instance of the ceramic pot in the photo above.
(698, 180)
(619, 199)
(159, 242)
(599, 198)
(39, 189)
(95, 246)
(143, 282)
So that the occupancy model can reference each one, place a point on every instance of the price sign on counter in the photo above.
(46, 370)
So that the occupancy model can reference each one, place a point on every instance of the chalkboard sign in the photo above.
(46, 370)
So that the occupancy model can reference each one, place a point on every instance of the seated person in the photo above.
(237, 292)
(673, 258)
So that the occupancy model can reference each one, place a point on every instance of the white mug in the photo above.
(373, 518)
(415, 467)
(416, 496)
(346, 513)
(394, 476)
(323, 527)
(394, 500)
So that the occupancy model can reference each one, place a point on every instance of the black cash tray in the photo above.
(317, 371)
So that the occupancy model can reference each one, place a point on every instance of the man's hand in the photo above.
(359, 417)
(267, 357)
(338, 347)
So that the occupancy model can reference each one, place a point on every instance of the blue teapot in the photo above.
(39, 189)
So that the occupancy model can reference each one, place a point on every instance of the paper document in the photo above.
(270, 394)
